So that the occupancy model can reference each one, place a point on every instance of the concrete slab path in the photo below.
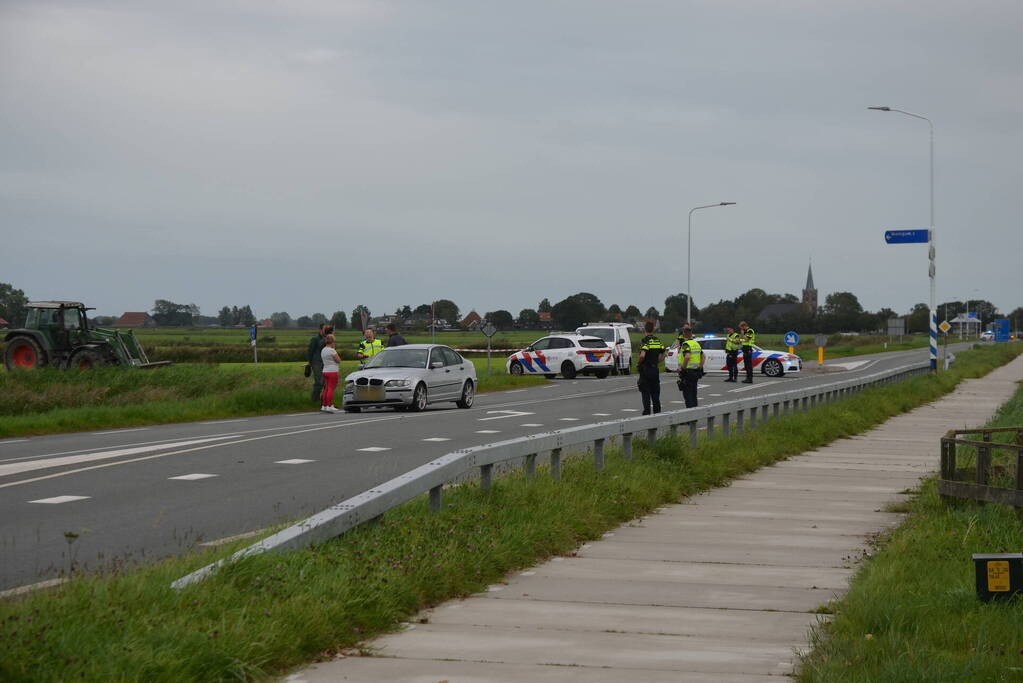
(720, 588)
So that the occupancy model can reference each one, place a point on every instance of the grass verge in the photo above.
(272, 612)
(48, 401)
(912, 613)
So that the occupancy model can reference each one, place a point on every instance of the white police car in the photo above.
(569, 354)
(771, 363)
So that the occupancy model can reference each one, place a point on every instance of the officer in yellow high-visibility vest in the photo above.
(369, 346)
(649, 382)
(749, 337)
(733, 342)
(690, 366)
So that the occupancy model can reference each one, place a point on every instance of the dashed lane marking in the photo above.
(601, 414)
(193, 477)
(437, 438)
(374, 449)
(224, 422)
(488, 431)
(502, 414)
(4, 443)
(293, 461)
(630, 410)
(57, 500)
(120, 431)
(569, 419)
(532, 424)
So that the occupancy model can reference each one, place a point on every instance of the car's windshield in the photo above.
(592, 344)
(398, 358)
(605, 333)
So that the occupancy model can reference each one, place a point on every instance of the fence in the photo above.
(431, 477)
(980, 489)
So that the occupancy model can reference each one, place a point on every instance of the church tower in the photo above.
(810, 293)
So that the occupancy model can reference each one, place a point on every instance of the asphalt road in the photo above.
(113, 498)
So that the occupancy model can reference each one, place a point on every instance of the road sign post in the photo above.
(252, 341)
(489, 330)
(921, 236)
(791, 340)
(820, 341)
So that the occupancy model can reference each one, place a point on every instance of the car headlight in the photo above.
(397, 383)
(349, 384)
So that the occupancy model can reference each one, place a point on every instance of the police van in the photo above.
(617, 337)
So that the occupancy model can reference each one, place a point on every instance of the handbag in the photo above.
(307, 370)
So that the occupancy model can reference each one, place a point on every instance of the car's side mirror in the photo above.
(436, 364)
(529, 348)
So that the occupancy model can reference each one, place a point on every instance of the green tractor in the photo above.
(57, 334)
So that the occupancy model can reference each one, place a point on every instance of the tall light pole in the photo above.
(689, 269)
(930, 241)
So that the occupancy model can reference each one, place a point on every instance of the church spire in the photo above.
(809, 277)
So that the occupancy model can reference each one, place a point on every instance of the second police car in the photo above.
(771, 363)
(567, 354)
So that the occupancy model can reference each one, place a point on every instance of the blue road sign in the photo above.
(252, 333)
(906, 236)
(791, 339)
(1001, 329)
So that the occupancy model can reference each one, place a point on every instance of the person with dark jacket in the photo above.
(315, 360)
(649, 382)
(393, 338)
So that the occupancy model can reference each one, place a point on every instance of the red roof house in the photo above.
(135, 319)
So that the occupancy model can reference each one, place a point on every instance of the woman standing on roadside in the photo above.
(331, 373)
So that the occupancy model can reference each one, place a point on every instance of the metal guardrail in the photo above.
(431, 477)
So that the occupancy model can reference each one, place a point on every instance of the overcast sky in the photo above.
(312, 155)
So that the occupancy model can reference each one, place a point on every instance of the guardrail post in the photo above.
(785, 407)
(651, 435)
(813, 401)
(556, 464)
(435, 500)
(627, 446)
(739, 416)
(983, 460)
(693, 434)
(531, 465)
(726, 424)
(804, 402)
(486, 473)
(753, 417)
(673, 430)
(598, 453)
(775, 409)
(710, 427)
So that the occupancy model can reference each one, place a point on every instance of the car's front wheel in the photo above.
(773, 368)
(568, 370)
(516, 368)
(468, 395)
(419, 399)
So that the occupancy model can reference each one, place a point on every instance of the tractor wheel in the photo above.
(86, 359)
(23, 353)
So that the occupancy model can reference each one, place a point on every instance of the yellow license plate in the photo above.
(370, 393)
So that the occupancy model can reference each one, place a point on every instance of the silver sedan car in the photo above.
(411, 377)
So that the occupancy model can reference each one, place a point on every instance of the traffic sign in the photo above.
(791, 339)
(944, 326)
(913, 236)
(820, 341)
(489, 329)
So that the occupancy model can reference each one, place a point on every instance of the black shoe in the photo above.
(730, 380)
(747, 381)
(645, 412)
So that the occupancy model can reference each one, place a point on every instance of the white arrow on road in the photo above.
(503, 414)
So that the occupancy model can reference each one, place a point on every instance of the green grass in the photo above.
(912, 613)
(50, 401)
(268, 613)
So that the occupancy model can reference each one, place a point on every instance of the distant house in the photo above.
(471, 321)
(546, 321)
(779, 311)
(135, 319)
(266, 323)
(655, 321)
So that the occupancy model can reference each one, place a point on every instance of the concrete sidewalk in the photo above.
(720, 588)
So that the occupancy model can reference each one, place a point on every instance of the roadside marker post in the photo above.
(791, 340)
(489, 330)
(923, 236)
(252, 341)
(821, 341)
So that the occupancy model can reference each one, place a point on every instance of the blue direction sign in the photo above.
(252, 333)
(906, 236)
(1001, 329)
(791, 339)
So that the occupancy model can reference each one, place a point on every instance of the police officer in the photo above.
(690, 366)
(732, 345)
(649, 382)
(369, 346)
(749, 337)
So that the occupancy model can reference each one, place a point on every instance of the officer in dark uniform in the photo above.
(733, 342)
(749, 337)
(690, 366)
(649, 383)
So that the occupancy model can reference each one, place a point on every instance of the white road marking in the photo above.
(488, 431)
(549, 386)
(4, 443)
(56, 500)
(532, 424)
(30, 465)
(601, 414)
(630, 410)
(502, 414)
(120, 431)
(741, 389)
(495, 589)
(22, 590)
(293, 461)
(513, 391)
(715, 394)
(293, 415)
(374, 449)
(437, 438)
(569, 419)
(680, 402)
(193, 477)
(528, 572)
(224, 422)
(228, 539)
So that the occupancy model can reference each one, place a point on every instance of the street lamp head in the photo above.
(880, 108)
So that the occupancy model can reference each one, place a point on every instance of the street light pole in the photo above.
(930, 240)
(689, 257)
